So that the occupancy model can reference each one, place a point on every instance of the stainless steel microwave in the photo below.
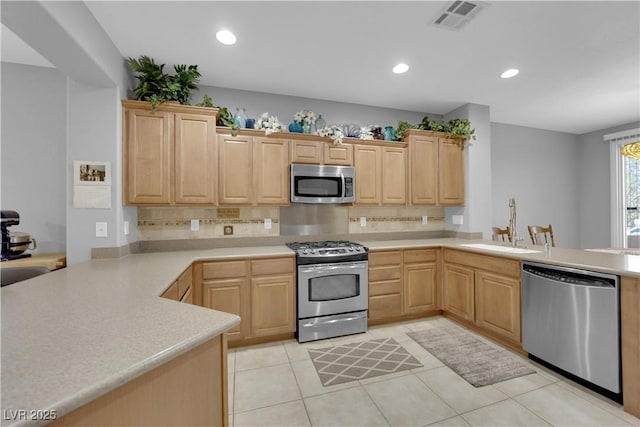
(322, 184)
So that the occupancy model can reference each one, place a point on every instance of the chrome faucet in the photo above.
(512, 222)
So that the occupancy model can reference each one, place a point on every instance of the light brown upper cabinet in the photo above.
(271, 171)
(436, 168)
(253, 170)
(169, 156)
(380, 174)
(321, 153)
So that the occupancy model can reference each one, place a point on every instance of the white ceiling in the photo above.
(579, 61)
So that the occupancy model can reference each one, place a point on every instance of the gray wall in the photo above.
(34, 117)
(285, 107)
(540, 168)
(594, 176)
(70, 38)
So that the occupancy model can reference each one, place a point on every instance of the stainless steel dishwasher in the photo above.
(571, 320)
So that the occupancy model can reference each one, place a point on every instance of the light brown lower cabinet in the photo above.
(420, 280)
(259, 290)
(188, 390)
(403, 283)
(385, 284)
(182, 289)
(485, 291)
(273, 308)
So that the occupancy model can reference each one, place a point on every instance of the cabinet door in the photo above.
(148, 156)
(195, 148)
(338, 154)
(230, 296)
(450, 172)
(271, 171)
(394, 178)
(498, 304)
(458, 291)
(272, 305)
(420, 285)
(306, 152)
(368, 167)
(423, 154)
(235, 170)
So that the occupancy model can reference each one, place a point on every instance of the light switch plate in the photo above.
(457, 219)
(101, 229)
(126, 228)
(267, 223)
(425, 219)
(363, 221)
(195, 224)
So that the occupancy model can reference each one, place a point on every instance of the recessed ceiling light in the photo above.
(511, 72)
(226, 37)
(401, 68)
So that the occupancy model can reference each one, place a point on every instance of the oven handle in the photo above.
(324, 268)
(319, 324)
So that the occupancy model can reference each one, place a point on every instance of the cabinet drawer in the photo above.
(385, 258)
(385, 306)
(498, 265)
(420, 255)
(224, 269)
(385, 287)
(184, 282)
(272, 266)
(390, 272)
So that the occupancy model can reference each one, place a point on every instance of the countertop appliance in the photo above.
(14, 243)
(322, 183)
(332, 288)
(571, 321)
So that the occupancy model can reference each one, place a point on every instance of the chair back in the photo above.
(500, 234)
(541, 235)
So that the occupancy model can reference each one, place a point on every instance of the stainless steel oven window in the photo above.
(309, 186)
(334, 287)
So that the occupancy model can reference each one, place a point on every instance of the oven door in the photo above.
(332, 288)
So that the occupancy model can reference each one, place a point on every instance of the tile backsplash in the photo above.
(170, 223)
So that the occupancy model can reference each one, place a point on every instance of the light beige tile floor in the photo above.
(276, 385)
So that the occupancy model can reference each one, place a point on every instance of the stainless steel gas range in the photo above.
(333, 289)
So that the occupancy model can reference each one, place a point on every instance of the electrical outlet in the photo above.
(425, 219)
(267, 223)
(363, 221)
(101, 229)
(457, 219)
(195, 225)
(228, 230)
(126, 228)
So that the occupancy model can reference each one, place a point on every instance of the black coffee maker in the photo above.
(10, 250)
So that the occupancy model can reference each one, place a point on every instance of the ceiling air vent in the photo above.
(458, 14)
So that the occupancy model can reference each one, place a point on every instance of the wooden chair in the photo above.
(500, 234)
(541, 235)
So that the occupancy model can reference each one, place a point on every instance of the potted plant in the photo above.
(156, 86)
(225, 118)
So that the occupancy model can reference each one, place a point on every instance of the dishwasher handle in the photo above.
(570, 277)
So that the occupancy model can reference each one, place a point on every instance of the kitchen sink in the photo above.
(508, 249)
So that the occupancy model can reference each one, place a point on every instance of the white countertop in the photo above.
(74, 334)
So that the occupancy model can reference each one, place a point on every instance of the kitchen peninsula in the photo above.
(91, 328)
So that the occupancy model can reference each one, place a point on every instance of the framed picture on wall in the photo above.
(91, 184)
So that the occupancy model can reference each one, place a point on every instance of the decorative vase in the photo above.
(295, 127)
(240, 119)
(320, 123)
(251, 123)
(377, 133)
(306, 128)
(389, 134)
